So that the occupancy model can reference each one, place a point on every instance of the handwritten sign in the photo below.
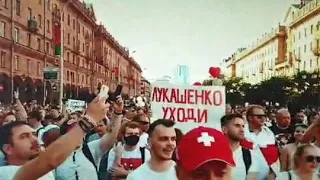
(189, 106)
(75, 105)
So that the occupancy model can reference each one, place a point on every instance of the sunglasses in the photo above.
(260, 116)
(143, 122)
(311, 159)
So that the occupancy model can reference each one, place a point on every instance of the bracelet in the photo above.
(116, 113)
(87, 124)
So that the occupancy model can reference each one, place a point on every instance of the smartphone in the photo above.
(104, 92)
(116, 93)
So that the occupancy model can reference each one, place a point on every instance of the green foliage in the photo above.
(303, 89)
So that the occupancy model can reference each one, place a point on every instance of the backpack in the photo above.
(246, 155)
(38, 130)
(289, 175)
(87, 153)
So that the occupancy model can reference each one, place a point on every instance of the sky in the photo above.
(196, 33)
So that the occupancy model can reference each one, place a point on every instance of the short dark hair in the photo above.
(164, 122)
(6, 132)
(226, 119)
(35, 114)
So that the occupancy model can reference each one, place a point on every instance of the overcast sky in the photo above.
(197, 33)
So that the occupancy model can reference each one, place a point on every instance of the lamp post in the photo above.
(62, 54)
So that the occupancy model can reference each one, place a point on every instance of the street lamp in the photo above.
(62, 54)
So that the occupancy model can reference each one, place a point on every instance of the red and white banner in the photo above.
(188, 106)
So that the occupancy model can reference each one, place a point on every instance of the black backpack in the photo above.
(246, 158)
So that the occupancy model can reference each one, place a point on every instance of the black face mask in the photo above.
(131, 140)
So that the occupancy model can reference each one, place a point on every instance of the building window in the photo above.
(29, 39)
(39, 44)
(4, 3)
(68, 75)
(82, 47)
(74, 59)
(47, 47)
(16, 35)
(310, 63)
(311, 46)
(29, 14)
(299, 35)
(3, 29)
(3, 59)
(68, 38)
(29, 66)
(18, 7)
(39, 20)
(48, 4)
(305, 48)
(16, 62)
(304, 65)
(68, 19)
(38, 68)
(74, 23)
(68, 56)
(305, 32)
(311, 29)
(74, 43)
(48, 26)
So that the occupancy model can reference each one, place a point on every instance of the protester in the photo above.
(246, 161)
(162, 139)
(20, 144)
(204, 153)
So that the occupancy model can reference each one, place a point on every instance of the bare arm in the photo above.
(284, 160)
(108, 140)
(252, 176)
(54, 155)
(21, 112)
(310, 132)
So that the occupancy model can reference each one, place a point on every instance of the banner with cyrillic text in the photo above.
(189, 106)
(75, 105)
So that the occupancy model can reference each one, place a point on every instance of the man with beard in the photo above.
(204, 154)
(246, 164)
(162, 142)
(20, 145)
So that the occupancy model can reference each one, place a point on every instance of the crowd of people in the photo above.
(117, 141)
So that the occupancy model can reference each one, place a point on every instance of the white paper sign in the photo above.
(189, 106)
(75, 105)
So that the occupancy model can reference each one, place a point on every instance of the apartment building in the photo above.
(27, 47)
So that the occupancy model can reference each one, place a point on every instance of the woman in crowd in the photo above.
(287, 153)
(306, 162)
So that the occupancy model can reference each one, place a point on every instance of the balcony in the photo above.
(32, 25)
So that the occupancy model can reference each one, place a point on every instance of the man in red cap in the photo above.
(204, 153)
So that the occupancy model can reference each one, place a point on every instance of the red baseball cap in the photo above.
(202, 145)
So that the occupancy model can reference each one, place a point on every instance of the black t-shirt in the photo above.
(282, 136)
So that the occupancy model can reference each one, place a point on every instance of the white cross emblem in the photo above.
(205, 139)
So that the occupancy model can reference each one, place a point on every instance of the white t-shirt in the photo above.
(130, 160)
(143, 141)
(239, 172)
(285, 176)
(8, 172)
(144, 172)
(82, 166)
(263, 139)
(2, 159)
(128, 157)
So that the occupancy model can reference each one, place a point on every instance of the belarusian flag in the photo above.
(57, 39)
(117, 74)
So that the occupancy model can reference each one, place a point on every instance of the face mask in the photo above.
(131, 140)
